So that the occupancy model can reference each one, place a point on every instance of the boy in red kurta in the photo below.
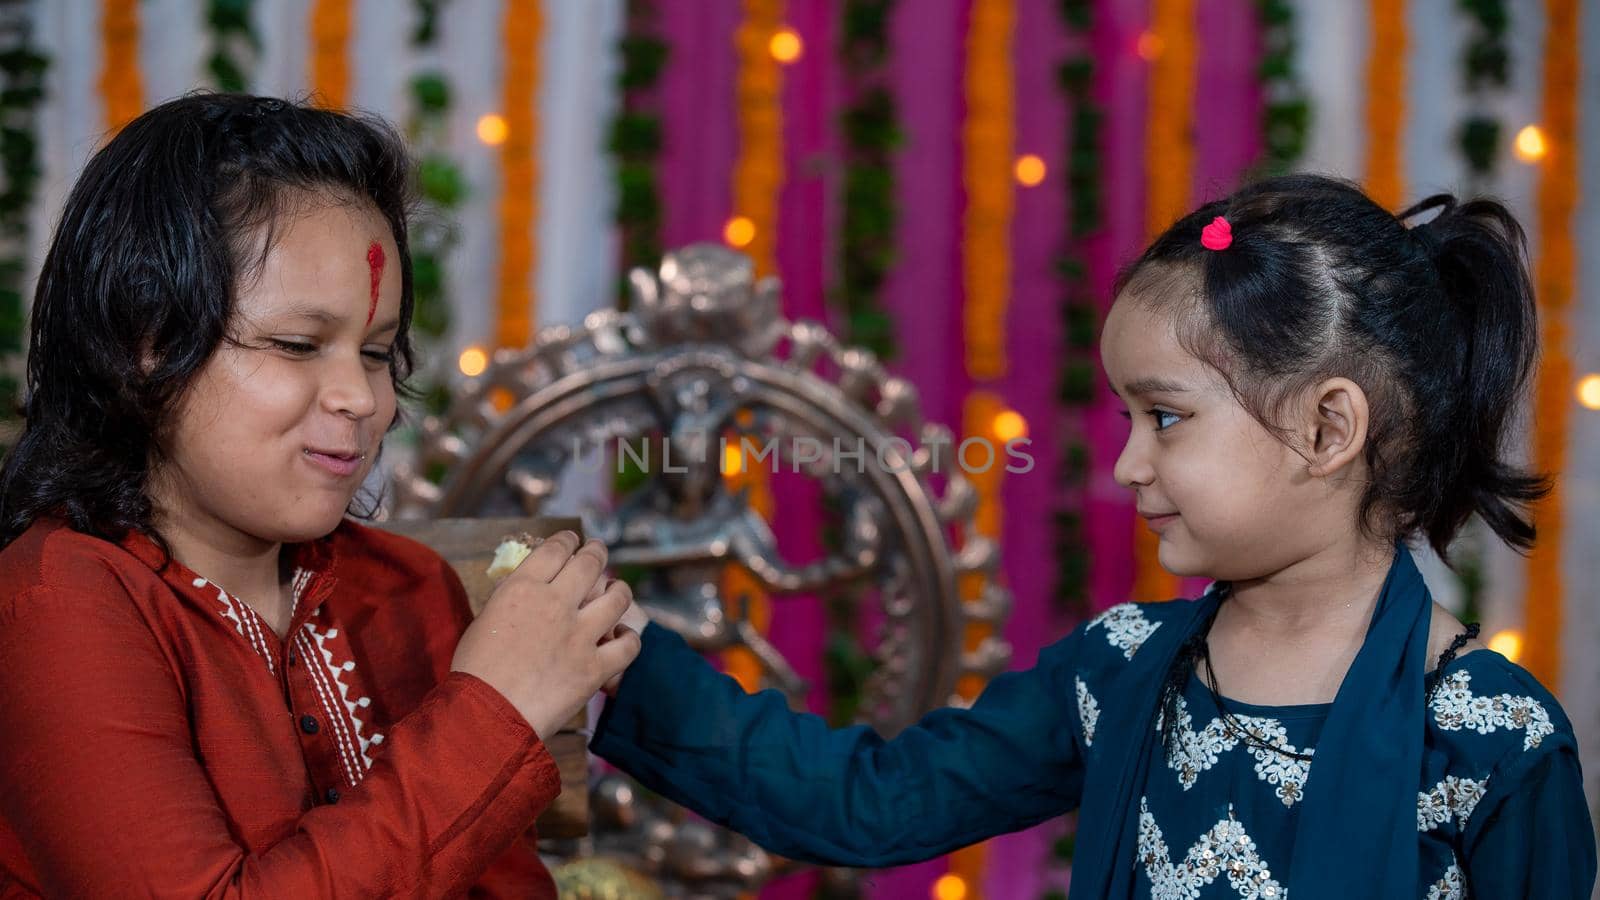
(160, 738)
(213, 683)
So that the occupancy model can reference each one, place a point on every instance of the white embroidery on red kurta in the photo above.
(245, 621)
(331, 680)
(354, 736)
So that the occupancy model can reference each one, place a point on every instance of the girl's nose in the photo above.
(1133, 467)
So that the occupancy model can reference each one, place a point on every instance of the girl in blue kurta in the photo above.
(1312, 384)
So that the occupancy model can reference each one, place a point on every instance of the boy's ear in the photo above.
(1335, 425)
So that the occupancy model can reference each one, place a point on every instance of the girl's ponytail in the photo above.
(1480, 253)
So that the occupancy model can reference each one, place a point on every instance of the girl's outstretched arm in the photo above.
(847, 796)
(1531, 835)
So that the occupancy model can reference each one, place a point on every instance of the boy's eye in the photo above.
(299, 348)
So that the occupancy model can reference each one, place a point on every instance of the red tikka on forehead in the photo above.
(375, 265)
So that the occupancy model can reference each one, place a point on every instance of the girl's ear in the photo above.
(1335, 425)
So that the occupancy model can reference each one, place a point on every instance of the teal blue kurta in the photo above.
(1500, 812)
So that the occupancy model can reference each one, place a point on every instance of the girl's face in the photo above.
(275, 434)
(1229, 500)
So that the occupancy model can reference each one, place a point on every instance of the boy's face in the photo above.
(280, 426)
(1228, 498)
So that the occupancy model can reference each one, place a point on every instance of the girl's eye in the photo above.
(383, 356)
(1164, 419)
(298, 348)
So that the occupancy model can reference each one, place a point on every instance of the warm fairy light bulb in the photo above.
(732, 460)
(493, 130)
(950, 887)
(1530, 144)
(1589, 391)
(1030, 170)
(1010, 425)
(473, 361)
(739, 231)
(1507, 643)
(1150, 46)
(785, 45)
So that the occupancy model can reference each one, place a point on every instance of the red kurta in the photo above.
(157, 739)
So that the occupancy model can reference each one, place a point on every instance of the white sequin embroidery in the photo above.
(1451, 798)
(1197, 751)
(1126, 627)
(1088, 711)
(1455, 707)
(1226, 849)
(1449, 886)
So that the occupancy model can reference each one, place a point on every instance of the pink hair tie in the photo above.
(1218, 235)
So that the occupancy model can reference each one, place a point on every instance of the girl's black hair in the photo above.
(139, 285)
(1434, 321)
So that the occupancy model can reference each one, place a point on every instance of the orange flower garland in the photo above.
(1554, 275)
(519, 176)
(758, 172)
(987, 139)
(977, 421)
(1386, 103)
(757, 186)
(329, 62)
(121, 84)
(1169, 172)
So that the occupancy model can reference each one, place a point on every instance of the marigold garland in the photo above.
(329, 60)
(757, 186)
(519, 177)
(121, 81)
(1386, 103)
(987, 139)
(1169, 172)
(1554, 276)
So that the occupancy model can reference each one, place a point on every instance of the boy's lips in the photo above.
(339, 463)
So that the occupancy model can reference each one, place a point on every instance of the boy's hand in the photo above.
(546, 640)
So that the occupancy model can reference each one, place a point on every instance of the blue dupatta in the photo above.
(1356, 835)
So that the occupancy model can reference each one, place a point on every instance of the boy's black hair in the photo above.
(139, 285)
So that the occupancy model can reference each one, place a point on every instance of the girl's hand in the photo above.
(545, 640)
(634, 620)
